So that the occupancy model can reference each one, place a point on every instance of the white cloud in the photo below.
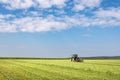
(17, 4)
(50, 3)
(39, 24)
(24, 4)
(82, 4)
(109, 13)
(6, 16)
(109, 17)
(7, 27)
(110, 20)
(35, 21)
(79, 7)
(59, 3)
(44, 3)
(49, 23)
(4, 25)
(32, 24)
(79, 21)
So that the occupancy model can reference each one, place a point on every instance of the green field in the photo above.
(30, 69)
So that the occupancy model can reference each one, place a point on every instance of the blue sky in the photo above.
(59, 28)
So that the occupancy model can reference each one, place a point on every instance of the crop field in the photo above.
(31, 69)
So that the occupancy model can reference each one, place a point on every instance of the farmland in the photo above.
(41, 69)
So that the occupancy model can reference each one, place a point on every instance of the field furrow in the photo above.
(22, 69)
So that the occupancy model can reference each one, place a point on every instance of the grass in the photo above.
(35, 69)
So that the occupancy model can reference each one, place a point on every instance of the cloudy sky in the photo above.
(59, 28)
